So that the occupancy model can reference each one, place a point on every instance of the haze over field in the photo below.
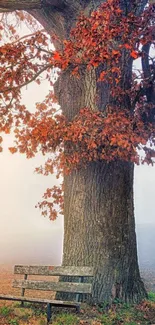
(24, 234)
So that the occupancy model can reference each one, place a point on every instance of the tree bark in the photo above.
(99, 226)
(11, 5)
(100, 229)
(20, 5)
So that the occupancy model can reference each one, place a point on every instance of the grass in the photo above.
(151, 296)
(5, 311)
(67, 319)
(118, 314)
(14, 321)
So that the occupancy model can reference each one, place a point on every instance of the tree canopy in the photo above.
(106, 41)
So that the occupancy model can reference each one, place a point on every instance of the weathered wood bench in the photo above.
(71, 287)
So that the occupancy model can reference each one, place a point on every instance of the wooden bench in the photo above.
(71, 287)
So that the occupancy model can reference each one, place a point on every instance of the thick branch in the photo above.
(7, 5)
(11, 5)
(145, 61)
(149, 77)
(149, 73)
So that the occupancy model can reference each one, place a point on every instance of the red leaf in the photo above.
(134, 54)
(56, 56)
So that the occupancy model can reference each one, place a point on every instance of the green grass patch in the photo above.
(14, 321)
(120, 315)
(142, 314)
(117, 314)
(151, 296)
(66, 319)
(5, 311)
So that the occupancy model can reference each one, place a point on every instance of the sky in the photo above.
(26, 236)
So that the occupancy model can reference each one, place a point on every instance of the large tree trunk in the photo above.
(99, 212)
(100, 229)
(99, 225)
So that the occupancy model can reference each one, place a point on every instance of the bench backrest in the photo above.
(72, 287)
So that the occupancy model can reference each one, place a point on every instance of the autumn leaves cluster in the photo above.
(106, 42)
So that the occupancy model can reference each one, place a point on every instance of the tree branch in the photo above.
(149, 77)
(149, 73)
(11, 5)
(8, 89)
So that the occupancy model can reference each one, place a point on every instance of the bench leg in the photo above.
(22, 304)
(49, 312)
(78, 309)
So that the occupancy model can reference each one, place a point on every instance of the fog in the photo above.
(25, 236)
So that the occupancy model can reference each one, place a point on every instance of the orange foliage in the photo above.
(108, 39)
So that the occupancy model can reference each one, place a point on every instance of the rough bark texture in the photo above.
(20, 4)
(32, 4)
(104, 234)
(99, 213)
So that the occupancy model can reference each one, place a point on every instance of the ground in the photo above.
(12, 314)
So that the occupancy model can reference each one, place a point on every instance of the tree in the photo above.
(107, 115)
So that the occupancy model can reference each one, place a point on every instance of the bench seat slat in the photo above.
(38, 300)
(54, 270)
(53, 286)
